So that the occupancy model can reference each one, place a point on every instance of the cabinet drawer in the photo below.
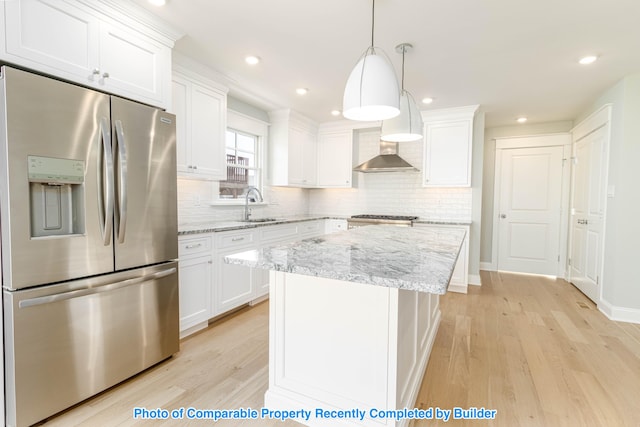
(234, 239)
(276, 233)
(193, 246)
(310, 227)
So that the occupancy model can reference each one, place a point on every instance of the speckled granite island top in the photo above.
(419, 259)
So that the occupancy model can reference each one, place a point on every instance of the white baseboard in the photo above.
(453, 287)
(488, 266)
(474, 279)
(619, 314)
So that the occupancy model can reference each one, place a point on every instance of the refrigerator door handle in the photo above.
(105, 202)
(121, 215)
(47, 299)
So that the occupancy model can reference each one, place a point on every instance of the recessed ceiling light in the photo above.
(588, 60)
(302, 91)
(335, 112)
(427, 100)
(157, 2)
(252, 60)
(521, 120)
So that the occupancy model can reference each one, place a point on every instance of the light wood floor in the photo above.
(534, 349)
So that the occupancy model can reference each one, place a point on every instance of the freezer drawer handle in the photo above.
(84, 292)
(121, 217)
(105, 201)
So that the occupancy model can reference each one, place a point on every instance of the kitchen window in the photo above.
(243, 166)
(245, 151)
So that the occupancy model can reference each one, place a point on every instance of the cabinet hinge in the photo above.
(597, 280)
(569, 261)
(558, 258)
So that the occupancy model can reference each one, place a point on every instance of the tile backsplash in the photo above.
(194, 203)
(392, 193)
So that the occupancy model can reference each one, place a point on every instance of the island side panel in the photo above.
(330, 341)
(418, 322)
(344, 345)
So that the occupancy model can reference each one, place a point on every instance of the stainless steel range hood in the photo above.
(387, 161)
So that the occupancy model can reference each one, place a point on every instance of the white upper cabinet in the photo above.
(292, 153)
(335, 153)
(201, 118)
(90, 44)
(133, 66)
(448, 147)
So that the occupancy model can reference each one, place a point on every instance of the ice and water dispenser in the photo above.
(56, 188)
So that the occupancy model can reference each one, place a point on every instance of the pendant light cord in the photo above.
(373, 20)
(404, 49)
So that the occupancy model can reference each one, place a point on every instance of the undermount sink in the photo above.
(260, 220)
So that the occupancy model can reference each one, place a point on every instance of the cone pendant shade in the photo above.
(372, 91)
(407, 126)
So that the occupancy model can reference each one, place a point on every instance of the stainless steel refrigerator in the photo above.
(88, 221)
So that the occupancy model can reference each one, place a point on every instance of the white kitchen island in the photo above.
(353, 317)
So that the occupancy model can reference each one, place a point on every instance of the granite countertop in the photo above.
(443, 221)
(418, 259)
(213, 226)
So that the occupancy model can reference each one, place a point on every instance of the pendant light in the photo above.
(371, 92)
(407, 126)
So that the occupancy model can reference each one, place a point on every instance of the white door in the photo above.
(530, 209)
(587, 211)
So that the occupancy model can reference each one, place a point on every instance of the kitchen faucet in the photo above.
(250, 190)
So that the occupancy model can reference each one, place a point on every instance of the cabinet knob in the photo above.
(96, 71)
(105, 75)
(503, 216)
(195, 167)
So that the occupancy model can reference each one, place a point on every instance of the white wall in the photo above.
(620, 280)
(489, 172)
(477, 171)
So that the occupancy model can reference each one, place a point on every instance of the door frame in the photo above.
(596, 120)
(535, 141)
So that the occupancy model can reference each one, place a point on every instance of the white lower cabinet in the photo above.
(335, 225)
(459, 279)
(210, 287)
(309, 229)
(233, 284)
(196, 273)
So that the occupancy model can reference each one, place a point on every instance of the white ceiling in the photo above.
(513, 57)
